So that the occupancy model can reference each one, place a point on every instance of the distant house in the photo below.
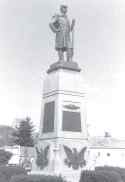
(105, 151)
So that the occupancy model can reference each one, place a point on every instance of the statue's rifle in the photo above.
(72, 41)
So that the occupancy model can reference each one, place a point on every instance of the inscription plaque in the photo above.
(71, 121)
(48, 120)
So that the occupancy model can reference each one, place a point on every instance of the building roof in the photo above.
(106, 142)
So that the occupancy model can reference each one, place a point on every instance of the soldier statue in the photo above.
(64, 31)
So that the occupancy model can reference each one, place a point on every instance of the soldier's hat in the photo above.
(63, 6)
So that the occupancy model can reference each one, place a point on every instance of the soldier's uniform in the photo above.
(62, 29)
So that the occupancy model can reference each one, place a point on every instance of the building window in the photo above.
(108, 154)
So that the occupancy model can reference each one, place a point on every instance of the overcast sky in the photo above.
(27, 50)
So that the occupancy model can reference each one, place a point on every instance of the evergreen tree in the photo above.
(24, 133)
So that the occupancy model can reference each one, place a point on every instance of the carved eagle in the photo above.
(42, 157)
(74, 158)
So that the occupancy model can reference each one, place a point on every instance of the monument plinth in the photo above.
(63, 135)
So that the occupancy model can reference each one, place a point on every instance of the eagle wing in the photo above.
(42, 160)
(69, 153)
(40, 153)
(81, 156)
(37, 150)
(39, 156)
(46, 150)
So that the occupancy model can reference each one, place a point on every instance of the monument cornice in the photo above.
(71, 66)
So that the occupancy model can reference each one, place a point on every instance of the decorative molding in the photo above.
(74, 158)
(42, 157)
(64, 92)
(71, 106)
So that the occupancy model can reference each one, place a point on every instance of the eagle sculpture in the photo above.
(74, 158)
(42, 157)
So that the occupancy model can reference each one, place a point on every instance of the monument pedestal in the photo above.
(63, 136)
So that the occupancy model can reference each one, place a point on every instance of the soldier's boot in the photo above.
(61, 55)
(69, 54)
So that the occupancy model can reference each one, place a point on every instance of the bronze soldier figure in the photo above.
(61, 26)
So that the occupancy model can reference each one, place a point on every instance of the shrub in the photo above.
(2, 178)
(100, 175)
(111, 176)
(4, 157)
(87, 176)
(8, 171)
(36, 178)
(118, 170)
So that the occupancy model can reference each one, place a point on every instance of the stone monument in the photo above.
(63, 136)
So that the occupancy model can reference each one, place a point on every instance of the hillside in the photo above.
(6, 137)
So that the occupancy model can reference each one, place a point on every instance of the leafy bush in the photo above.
(8, 172)
(36, 178)
(112, 176)
(87, 176)
(100, 175)
(4, 157)
(2, 178)
(118, 170)
(93, 176)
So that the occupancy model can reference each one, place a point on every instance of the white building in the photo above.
(105, 151)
